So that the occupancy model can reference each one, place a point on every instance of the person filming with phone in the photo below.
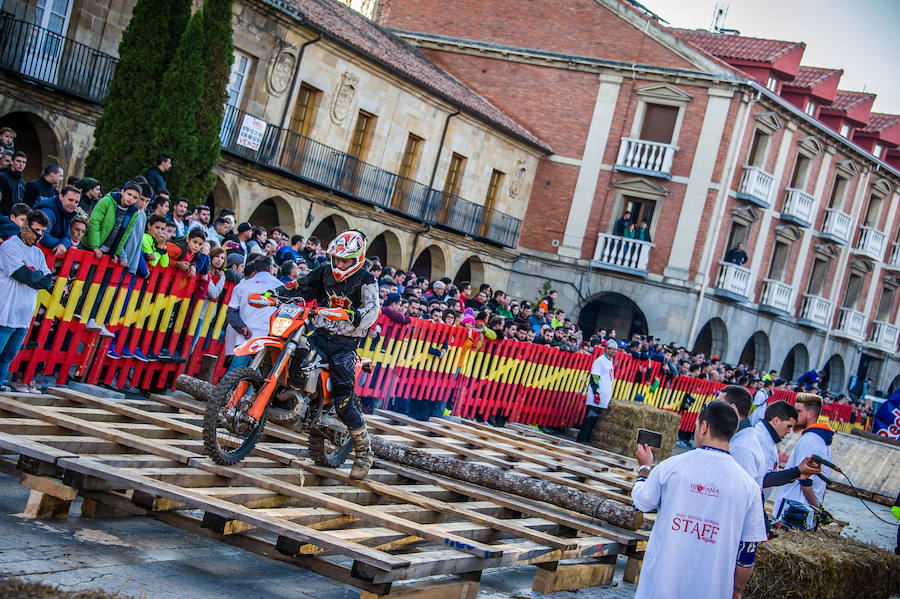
(710, 517)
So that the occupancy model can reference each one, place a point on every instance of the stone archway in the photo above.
(795, 363)
(36, 138)
(273, 212)
(472, 270)
(386, 246)
(328, 228)
(430, 263)
(756, 352)
(220, 198)
(712, 340)
(895, 384)
(835, 374)
(612, 311)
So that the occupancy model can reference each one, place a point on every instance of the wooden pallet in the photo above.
(145, 457)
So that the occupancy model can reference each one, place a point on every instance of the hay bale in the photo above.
(822, 565)
(616, 430)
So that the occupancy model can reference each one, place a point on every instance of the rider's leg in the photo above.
(343, 379)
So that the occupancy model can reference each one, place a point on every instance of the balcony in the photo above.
(756, 187)
(816, 312)
(894, 259)
(328, 168)
(851, 324)
(776, 297)
(53, 60)
(646, 157)
(871, 242)
(733, 282)
(799, 207)
(621, 254)
(884, 336)
(836, 226)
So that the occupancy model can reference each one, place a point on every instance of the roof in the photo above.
(738, 47)
(811, 77)
(879, 121)
(845, 101)
(365, 37)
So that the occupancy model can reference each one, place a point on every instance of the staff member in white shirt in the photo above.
(758, 412)
(250, 321)
(709, 511)
(816, 440)
(599, 391)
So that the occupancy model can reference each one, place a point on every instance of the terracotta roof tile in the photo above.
(810, 77)
(737, 47)
(878, 122)
(362, 35)
(845, 101)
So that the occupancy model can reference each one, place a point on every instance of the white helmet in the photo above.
(351, 245)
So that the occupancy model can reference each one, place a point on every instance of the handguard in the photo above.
(260, 301)
(334, 314)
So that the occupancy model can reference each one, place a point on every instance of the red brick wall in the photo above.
(548, 207)
(579, 27)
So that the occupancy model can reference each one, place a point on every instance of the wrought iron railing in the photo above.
(54, 60)
(281, 149)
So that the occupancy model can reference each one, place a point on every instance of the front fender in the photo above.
(256, 345)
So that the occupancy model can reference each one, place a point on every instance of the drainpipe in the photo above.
(296, 79)
(412, 254)
(709, 249)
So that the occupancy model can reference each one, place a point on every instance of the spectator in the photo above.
(112, 221)
(200, 217)
(91, 192)
(709, 511)
(394, 310)
(477, 303)
(59, 211)
(548, 303)
(760, 399)
(249, 321)
(160, 205)
(621, 224)
(23, 271)
(629, 231)
(7, 137)
(156, 176)
(45, 187)
(736, 255)
(177, 216)
(810, 378)
(77, 229)
(153, 243)
(643, 233)
(240, 243)
(6, 158)
(217, 257)
(291, 252)
(217, 232)
(184, 254)
(289, 271)
(234, 271)
(257, 242)
(599, 393)
(278, 236)
(12, 186)
(310, 252)
(14, 223)
(465, 292)
(131, 253)
(545, 337)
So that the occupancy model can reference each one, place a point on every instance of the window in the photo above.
(407, 170)
(454, 175)
(854, 285)
(885, 304)
(779, 260)
(873, 211)
(801, 172)
(758, 147)
(237, 79)
(772, 84)
(845, 130)
(737, 235)
(659, 123)
(817, 277)
(359, 143)
(810, 108)
(641, 209)
(490, 199)
(877, 150)
(838, 191)
(304, 108)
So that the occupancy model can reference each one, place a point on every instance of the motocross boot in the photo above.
(363, 450)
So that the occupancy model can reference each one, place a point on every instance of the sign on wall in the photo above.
(251, 132)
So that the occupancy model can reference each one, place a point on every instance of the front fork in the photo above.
(284, 358)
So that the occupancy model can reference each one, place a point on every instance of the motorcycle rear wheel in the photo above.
(224, 446)
(329, 449)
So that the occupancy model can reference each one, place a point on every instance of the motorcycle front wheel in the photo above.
(229, 434)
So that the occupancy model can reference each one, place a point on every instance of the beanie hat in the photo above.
(244, 227)
(392, 298)
(467, 319)
(87, 183)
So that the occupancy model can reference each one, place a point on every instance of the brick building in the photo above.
(331, 122)
(713, 139)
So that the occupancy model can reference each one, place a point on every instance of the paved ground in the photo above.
(141, 557)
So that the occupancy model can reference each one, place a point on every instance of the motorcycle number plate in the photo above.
(289, 310)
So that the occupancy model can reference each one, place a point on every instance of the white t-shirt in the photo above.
(747, 452)
(769, 452)
(707, 505)
(256, 319)
(19, 300)
(759, 400)
(810, 443)
(603, 369)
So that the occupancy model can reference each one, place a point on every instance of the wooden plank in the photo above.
(32, 449)
(578, 574)
(48, 486)
(41, 506)
(440, 589)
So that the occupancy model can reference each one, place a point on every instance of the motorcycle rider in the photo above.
(341, 283)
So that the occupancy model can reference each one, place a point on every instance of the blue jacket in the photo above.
(156, 179)
(58, 231)
(8, 228)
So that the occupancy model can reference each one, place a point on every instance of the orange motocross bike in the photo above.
(245, 398)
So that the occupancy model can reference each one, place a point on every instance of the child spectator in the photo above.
(7, 135)
(12, 225)
(23, 271)
(153, 244)
(76, 232)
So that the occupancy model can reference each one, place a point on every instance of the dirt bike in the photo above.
(245, 398)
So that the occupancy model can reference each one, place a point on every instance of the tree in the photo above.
(175, 120)
(123, 146)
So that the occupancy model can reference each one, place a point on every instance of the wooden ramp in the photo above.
(382, 535)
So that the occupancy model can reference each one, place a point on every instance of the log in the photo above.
(590, 504)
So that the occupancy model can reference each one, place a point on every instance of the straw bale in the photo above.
(822, 565)
(616, 429)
